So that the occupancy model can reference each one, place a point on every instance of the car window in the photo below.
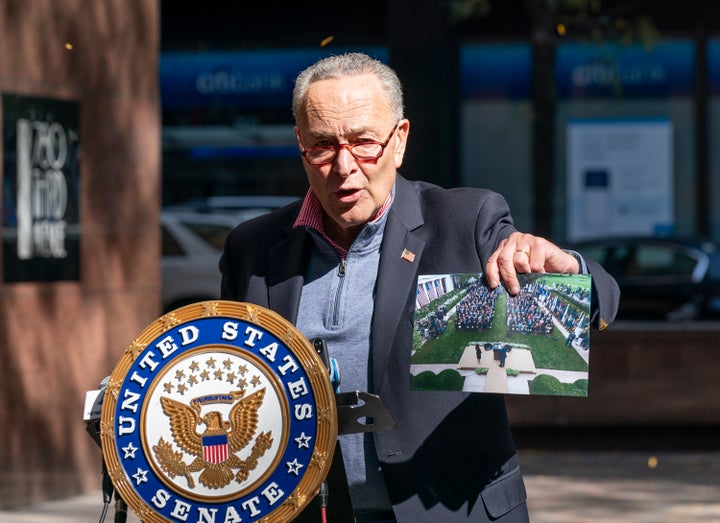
(659, 260)
(170, 247)
(619, 260)
(714, 267)
(212, 233)
(595, 252)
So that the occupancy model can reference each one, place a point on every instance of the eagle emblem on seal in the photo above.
(214, 448)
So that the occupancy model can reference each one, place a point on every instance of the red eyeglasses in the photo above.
(363, 151)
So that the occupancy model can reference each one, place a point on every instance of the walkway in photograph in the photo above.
(496, 380)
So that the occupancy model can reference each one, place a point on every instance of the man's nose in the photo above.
(344, 162)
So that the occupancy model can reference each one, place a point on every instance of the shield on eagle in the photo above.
(215, 448)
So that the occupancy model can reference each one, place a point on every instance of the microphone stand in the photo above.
(357, 412)
(321, 348)
(121, 509)
(108, 489)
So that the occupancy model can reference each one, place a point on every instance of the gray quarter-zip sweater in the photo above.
(337, 304)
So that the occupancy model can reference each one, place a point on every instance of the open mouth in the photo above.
(345, 194)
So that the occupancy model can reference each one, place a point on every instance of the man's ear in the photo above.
(401, 136)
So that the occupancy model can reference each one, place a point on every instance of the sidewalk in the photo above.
(563, 487)
(622, 486)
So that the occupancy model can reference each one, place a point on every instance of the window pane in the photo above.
(213, 234)
(661, 260)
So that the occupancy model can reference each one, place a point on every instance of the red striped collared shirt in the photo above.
(311, 215)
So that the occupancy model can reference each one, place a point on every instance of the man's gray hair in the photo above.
(350, 64)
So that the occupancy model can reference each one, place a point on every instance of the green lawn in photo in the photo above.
(549, 352)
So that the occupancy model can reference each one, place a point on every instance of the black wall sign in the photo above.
(41, 189)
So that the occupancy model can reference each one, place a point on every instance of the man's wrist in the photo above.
(583, 269)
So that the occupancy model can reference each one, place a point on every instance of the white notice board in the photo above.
(620, 177)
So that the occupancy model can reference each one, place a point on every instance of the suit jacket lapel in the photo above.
(396, 274)
(286, 274)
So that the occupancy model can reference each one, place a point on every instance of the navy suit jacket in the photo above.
(453, 457)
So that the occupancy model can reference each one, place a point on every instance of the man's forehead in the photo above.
(342, 128)
(339, 98)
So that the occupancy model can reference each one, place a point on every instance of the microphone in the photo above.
(93, 409)
(330, 363)
(92, 413)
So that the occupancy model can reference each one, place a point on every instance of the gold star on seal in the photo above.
(143, 512)
(318, 459)
(289, 337)
(316, 372)
(324, 415)
(252, 314)
(295, 500)
(113, 388)
(134, 349)
(107, 429)
(168, 321)
(210, 308)
(117, 474)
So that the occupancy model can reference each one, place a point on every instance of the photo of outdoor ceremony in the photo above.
(472, 338)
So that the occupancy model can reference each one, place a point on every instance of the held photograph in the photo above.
(469, 337)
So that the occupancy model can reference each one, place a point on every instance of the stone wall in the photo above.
(641, 375)
(59, 339)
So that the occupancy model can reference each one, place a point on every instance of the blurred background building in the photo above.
(502, 94)
(595, 118)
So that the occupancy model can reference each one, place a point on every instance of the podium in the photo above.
(223, 411)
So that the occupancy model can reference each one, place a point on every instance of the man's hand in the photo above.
(521, 253)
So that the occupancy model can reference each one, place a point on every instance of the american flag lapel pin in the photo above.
(408, 255)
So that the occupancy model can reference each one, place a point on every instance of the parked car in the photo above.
(193, 235)
(667, 278)
(191, 247)
(244, 207)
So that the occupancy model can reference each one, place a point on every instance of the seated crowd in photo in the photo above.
(526, 315)
(477, 309)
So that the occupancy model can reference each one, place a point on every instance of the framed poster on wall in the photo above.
(620, 177)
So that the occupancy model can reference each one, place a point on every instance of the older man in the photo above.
(343, 265)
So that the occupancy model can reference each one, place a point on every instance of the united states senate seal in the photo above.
(217, 412)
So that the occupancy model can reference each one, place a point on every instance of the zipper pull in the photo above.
(341, 268)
